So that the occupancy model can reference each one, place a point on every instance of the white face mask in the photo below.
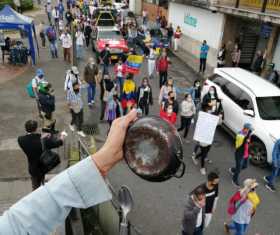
(189, 99)
(211, 92)
(197, 85)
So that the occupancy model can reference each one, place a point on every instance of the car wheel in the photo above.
(258, 154)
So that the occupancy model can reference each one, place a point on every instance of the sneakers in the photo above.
(226, 228)
(235, 184)
(231, 171)
(208, 160)
(203, 171)
(81, 133)
(72, 128)
(266, 179)
(270, 187)
(194, 160)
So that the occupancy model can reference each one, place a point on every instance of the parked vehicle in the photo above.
(248, 98)
(112, 36)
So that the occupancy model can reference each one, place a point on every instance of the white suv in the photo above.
(249, 98)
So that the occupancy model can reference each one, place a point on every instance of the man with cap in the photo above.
(245, 202)
(275, 167)
(242, 141)
(72, 76)
(36, 81)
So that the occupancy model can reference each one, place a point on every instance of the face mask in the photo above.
(211, 92)
(197, 85)
(169, 111)
(145, 84)
(76, 90)
(172, 98)
(189, 99)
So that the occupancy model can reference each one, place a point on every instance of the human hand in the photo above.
(112, 151)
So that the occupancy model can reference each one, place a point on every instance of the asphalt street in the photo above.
(158, 206)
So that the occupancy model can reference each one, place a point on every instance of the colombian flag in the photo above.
(133, 63)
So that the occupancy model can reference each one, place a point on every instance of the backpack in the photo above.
(29, 89)
(234, 203)
(51, 35)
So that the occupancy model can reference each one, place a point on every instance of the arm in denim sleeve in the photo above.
(41, 211)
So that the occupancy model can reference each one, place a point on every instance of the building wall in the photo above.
(154, 10)
(197, 25)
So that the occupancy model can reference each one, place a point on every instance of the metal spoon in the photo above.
(126, 204)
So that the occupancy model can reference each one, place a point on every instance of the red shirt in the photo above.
(170, 118)
(162, 64)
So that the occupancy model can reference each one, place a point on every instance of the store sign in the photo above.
(190, 20)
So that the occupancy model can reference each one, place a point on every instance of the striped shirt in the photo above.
(75, 101)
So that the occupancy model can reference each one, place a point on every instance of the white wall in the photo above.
(209, 26)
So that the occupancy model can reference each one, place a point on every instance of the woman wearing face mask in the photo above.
(187, 112)
(165, 89)
(145, 96)
(195, 92)
(168, 114)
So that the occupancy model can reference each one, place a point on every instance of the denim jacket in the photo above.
(40, 212)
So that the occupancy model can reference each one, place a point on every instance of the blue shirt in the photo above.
(40, 212)
(204, 51)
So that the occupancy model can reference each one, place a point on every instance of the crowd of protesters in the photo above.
(119, 94)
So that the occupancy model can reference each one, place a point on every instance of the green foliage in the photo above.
(26, 4)
(4, 2)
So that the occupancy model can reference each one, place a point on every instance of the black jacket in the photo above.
(32, 147)
(205, 105)
(47, 102)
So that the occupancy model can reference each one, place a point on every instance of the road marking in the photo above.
(9, 144)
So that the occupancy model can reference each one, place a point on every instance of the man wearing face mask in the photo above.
(91, 77)
(75, 104)
(105, 58)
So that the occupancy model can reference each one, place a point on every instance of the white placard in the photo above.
(205, 127)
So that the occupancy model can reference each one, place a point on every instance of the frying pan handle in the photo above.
(182, 171)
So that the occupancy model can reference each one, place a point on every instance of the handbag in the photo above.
(48, 159)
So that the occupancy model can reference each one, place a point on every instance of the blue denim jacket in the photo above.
(41, 211)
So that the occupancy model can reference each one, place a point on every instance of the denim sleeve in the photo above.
(41, 211)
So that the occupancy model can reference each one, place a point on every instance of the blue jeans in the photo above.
(120, 83)
(198, 231)
(91, 92)
(105, 69)
(53, 48)
(240, 229)
(275, 172)
(80, 51)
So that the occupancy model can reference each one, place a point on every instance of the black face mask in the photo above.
(172, 98)
(76, 91)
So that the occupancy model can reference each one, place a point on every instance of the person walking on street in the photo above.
(195, 92)
(242, 141)
(203, 56)
(69, 18)
(60, 8)
(177, 37)
(66, 41)
(48, 9)
(187, 113)
(151, 61)
(211, 189)
(75, 103)
(236, 55)
(31, 144)
(72, 76)
(221, 58)
(145, 96)
(108, 90)
(120, 71)
(105, 59)
(194, 213)
(91, 78)
(129, 94)
(87, 32)
(275, 167)
(162, 68)
(241, 208)
(170, 34)
(80, 39)
(51, 34)
(165, 92)
(55, 16)
(42, 33)
(168, 114)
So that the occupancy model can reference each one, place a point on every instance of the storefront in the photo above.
(198, 24)
(155, 8)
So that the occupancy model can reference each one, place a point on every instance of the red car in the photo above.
(112, 36)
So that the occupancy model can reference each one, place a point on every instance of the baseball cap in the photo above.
(40, 73)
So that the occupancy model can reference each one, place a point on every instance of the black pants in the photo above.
(144, 108)
(240, 164)
(202, 65)
(87, 40)
(77, 119)
(102, 110)
(162, 78)
(43, 40)
(203, 154)
(37, 181)
(185, 124)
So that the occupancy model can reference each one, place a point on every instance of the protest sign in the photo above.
(205, 127)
